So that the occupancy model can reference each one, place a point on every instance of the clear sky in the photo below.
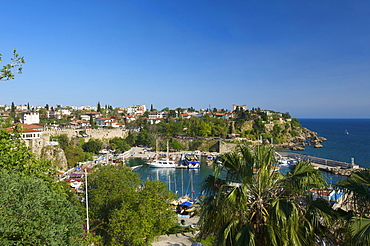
(308, 58)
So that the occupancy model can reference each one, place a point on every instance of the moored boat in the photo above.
(162, 163)
(191, 161)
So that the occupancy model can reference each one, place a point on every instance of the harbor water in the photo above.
(339, 146)
(180, 181)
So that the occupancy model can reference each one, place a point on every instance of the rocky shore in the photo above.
(306, 137)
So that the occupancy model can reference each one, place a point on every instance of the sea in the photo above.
(347, 140)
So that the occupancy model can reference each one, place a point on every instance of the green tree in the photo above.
(93, 146)
(12, 110)
(176, 145)
(75, 154)
(15, 67)
(32, 214)
(63, 141)
(131, 138)
(98, 107)
(145, 138)
(92, 122)
(110, 186)
(133, 224)
(253, 204)
(16, 156)
(119, 144)
(6, 122)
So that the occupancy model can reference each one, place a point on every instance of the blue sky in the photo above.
(308, 58)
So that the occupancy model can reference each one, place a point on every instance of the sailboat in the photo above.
(162, 163)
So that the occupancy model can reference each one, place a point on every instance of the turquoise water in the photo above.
(339, 146)
(181, 181)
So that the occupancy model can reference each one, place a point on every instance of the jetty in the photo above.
(327, 165)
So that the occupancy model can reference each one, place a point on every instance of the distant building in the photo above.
(30, 118)
(52, 114)
(136, 109)
(29, 131)
(158, 115)
(105, 122)
(87, 115)
(240, 106)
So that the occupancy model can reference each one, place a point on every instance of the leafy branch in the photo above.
(15, 67)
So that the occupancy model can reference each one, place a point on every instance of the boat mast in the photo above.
(182, 182)
(191, 183)
(168, 156)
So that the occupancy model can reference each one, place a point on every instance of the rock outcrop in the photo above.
(56, 156)
(304, 137)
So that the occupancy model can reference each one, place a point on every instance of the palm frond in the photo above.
(360, 230)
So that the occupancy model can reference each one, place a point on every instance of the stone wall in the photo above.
(91, 133)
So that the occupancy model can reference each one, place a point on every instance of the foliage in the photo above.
(63, 141)
(131, 138)
(110, 187)
(357, 191)
(180, 229)
(144, 138)
(295, 123)
(253, 204)
(9, 70)
(15, 155)
(122, 212)
(93, 146)
(6, 122)
(176, 145)
(75, 154)
(119, 144)
(32, 214)
(138, 221)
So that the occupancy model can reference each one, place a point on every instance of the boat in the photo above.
(164, 163)
(210, 159)
(346, 132)
(191, 161)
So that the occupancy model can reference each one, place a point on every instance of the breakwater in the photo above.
(327, 165)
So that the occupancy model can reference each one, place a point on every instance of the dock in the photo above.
(327, 165)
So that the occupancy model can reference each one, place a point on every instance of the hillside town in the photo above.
(37, 119)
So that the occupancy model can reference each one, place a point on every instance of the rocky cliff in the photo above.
(52, 153)
(56, 156)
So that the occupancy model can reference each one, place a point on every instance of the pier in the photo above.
(327, 165)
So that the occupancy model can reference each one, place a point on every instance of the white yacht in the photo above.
(162, 163)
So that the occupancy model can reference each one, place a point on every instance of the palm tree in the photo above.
(356, 202)
(248, 202)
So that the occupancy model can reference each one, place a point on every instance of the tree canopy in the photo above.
(125, 212)
(32, 214)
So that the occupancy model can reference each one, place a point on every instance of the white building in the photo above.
(157, 114)
(136, 109)
(29, 131)
(105, 122)
(30, 118)
(234, 107)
